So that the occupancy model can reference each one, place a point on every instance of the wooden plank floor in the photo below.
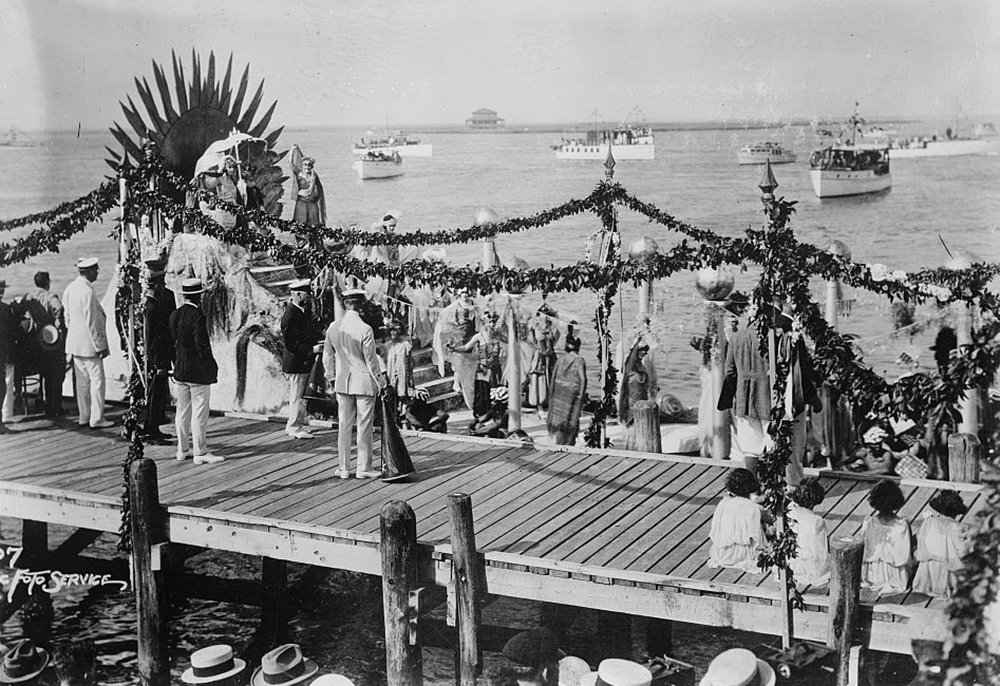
(603, 510)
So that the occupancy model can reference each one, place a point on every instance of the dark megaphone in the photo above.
(396, 463)
(316, 384)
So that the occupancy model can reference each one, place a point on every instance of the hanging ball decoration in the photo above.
(643, 250)
(838, 248)
(963, 259)
(715, 284)
(487, 216)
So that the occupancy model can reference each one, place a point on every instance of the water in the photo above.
(695, 178)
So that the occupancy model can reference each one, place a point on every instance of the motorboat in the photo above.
(759, 153)
(849, 169)
(942, 147)
(393, 141)
(627, 143)
(376, 165)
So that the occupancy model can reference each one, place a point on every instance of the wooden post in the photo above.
(970, 402)
(964, 452)
(489, 254)
(513, 369)
(651, 638)
(645, 296)
(845, 588)
(398, 527)
(273, 582)
(466, 575)
(35, 541)
(146, 523)
(721, 434)
(645, 427)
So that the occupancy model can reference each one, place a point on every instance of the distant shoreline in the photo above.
(573, 127)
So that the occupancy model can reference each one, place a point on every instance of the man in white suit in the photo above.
(87, 342)
(349, 349)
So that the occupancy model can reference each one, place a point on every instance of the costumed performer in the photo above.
(568, 394)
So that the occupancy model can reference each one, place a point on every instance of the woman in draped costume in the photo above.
(569, 390)
(455, 327)
(310, 201)
(544, 337)
(489, 370)
(636, 381)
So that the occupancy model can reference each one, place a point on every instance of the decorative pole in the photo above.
(833, 428)
(964, 314)
(715, 285)
(604, 336)
(513, 366)
(486, 217)
(124, 248)
(767, 186)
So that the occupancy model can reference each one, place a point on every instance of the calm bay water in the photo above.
(695, 178)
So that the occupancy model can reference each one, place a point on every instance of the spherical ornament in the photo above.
(515, 262)
(715, 284)
(643, 250)
(487, 217)
(839, 248)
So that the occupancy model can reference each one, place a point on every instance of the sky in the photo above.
(373, 62)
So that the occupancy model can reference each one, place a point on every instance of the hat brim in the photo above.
(7, 679)
(765, 672)
(188, 676)
(311, 668)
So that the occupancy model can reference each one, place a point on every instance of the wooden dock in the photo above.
(607, 530)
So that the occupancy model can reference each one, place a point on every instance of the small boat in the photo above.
(15, 138)
(848, 169)
(377, 165)
(627, 142)
(759, 153)
(942, 147)
(393, 141)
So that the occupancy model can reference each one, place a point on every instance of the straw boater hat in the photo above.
(86, 262)
(572, 669)
(616, 672)
(213, 663)
(22, 662)
(192, 287)
(283, 666)
(49, 336)
(355, 293)
(332, 680)
(499, 394)
(738, 667)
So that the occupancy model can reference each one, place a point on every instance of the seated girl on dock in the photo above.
(942, 542)
(737, 534)
(811, 564)
(888, 553)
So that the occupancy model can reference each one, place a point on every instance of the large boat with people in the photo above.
(389, 142)
(934, 146)
(759, 153)
(377, 165)
(626, 141)
(848, 168)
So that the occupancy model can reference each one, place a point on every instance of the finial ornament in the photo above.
(767, 181)
(609, 164)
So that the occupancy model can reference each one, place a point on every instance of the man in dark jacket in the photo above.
(47, 313)
(158, 308)
(195, 370)
(299, 342)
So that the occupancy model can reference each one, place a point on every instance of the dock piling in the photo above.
(964, 451)
(845, 591)
(467, 578)
(398, 528)
(146, 523)
(646, 427)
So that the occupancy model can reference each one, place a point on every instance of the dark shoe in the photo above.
(158, 439)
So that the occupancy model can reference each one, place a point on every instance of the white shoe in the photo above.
(343, 474)
(300, 433)
(208, 458)
(368, 474)
(184, 454)
(103, 424)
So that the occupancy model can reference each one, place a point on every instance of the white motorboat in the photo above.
(390, 142)
(848, 169)
(379, 166)
(627, 143)
(943, 147)
(759, 153)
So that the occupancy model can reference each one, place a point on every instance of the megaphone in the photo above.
(396, 463)
(316, 384)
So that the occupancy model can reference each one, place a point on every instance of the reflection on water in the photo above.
(335, 616)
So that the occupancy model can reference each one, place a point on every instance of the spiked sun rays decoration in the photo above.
(201, 112)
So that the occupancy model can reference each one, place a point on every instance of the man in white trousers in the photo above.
(349, 349)
(87, 343)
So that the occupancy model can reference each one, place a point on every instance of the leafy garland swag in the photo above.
(787, 267)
